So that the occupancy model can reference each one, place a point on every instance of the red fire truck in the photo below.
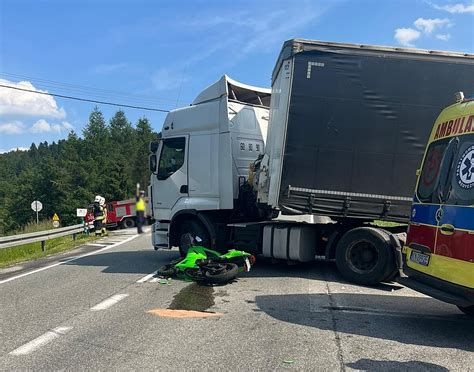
(119, 213)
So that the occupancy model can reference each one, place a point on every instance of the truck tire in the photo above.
(195, 228)
(364, 255)
(128, 223)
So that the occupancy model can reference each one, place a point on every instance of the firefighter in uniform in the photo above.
(140, 209)
(98, 215)
(104, 211)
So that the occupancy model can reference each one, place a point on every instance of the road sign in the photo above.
(37, 206)
(55, 217)
(55, 223)
(81, 212)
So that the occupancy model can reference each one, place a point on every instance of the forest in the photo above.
(108, 160)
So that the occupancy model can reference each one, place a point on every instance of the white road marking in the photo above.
(96, 245)
(109, 302)
(40, 341)
(63, 262)
(146, 277)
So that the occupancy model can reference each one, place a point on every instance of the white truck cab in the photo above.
(204, 152)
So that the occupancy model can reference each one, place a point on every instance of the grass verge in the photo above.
(380, 223)
(32, 251)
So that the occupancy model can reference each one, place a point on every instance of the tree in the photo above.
(144, 135)
(96, 128)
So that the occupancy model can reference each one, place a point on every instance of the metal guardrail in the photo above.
(40, 236)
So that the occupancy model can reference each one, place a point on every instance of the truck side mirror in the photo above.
(152, 162)
(154, 146)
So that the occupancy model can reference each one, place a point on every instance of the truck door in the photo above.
(171, 181)
(455, 233)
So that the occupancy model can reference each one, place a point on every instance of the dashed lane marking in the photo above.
(147, 277)
(109, 302)
(41, 341)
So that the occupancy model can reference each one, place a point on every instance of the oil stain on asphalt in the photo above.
(193, 297)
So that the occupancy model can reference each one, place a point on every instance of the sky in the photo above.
(161, 54)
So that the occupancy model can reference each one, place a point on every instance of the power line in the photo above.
(84, 99)
(88, 90)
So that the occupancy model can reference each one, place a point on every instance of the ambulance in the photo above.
(438, 257)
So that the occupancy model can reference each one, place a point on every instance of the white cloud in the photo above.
(456, 8)
(17, 102)
(14, 149)
(443, 37)
(12, 127)
(405, 36)
(427, 26)
(42, 126)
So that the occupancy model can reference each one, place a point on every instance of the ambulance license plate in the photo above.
(420, 258)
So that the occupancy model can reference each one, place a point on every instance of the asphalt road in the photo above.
(93, 312)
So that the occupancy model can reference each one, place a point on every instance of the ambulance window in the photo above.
(430, 174)
(461, 191)
(172, 157)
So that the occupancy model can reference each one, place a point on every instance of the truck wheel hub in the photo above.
(362, 257)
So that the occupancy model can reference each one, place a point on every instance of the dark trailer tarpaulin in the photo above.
(358, 121)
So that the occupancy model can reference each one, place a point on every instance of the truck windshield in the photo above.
(172, 157)
(448, 172)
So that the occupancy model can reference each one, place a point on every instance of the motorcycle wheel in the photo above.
(219, 273)
(167, 270)
(194, 274)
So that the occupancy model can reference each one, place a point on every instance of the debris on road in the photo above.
(170, 313)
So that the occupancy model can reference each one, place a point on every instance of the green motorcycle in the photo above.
(205, 265)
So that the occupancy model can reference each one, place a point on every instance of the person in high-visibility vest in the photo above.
(140, 209)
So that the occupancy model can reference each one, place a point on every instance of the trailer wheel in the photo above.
(364, 255)
(128, 223)
(195, 228)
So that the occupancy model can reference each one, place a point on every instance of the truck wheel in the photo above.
(195, 228)
(128, 223)
(364, 255)
(468, 310)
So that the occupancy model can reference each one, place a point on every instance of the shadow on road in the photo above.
(144, 261)
(389, 366)
(409, 320)
(318, 270)
(136, 262)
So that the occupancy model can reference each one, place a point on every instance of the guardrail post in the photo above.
(43, 245)
(74, 236)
